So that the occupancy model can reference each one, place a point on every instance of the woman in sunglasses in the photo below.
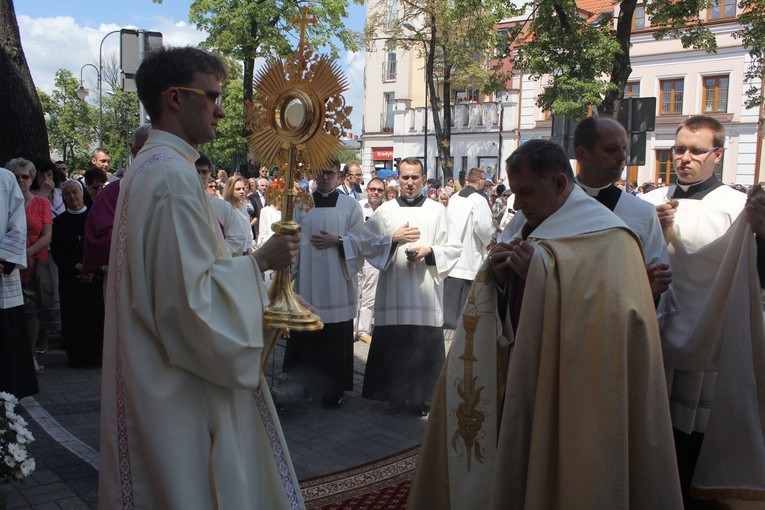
(39, 231)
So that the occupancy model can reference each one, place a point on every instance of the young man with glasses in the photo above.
(368, 274)
(320, 363)
(712, 327)
(187, 420)
(352, 179)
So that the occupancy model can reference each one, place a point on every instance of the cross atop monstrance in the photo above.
(296, 118)
(303, 21)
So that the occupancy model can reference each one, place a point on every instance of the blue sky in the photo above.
(66, 34)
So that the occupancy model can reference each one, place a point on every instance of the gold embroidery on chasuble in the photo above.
(469, 414)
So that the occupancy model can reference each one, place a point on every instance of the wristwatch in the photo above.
(339, 240)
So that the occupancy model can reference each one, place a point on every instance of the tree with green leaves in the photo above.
(121, 118)
(72, 124)
(246, 30)
(229, 149)
(457, 42)
(249, 29)
(586, 59)
(752, 35)
(120, 112)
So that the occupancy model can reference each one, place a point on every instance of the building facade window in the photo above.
(386, 118)
(632, 176)
(632, 89)
(720, 9)
(671, 96)
(665, 173)
(715, 94)
(391, 15)
(389, 68)
(638, 18)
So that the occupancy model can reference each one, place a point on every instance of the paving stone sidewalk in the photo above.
(320, 440)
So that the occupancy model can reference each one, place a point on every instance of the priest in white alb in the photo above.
(553, 393)
(319, 364)
(187, 420)
(471, 215)
(712, 331)
(413, 243)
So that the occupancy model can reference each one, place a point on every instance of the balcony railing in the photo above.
(386, 122)
(389, 71)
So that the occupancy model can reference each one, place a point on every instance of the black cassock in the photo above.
(82, 304)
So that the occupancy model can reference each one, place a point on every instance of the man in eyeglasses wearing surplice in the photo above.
(187, 419)
(711, 323)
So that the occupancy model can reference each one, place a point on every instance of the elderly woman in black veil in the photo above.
(81, 294)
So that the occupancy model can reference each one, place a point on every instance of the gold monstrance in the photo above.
(297, 117)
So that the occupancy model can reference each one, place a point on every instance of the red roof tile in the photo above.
(596, 6)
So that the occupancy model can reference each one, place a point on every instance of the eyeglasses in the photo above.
(95, 187)
(210, 186)
(213, 95)
(23, 177)
(679, 150)
(376, 190)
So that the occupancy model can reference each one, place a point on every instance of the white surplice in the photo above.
(714, 342)
(13, 239)
(472, 219)
(327, 280)
(410, 293)
(187, 421)
(696, 224)
(642, 219)
(268, 216)
(230, 222)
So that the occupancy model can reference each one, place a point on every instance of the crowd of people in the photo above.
(608, 348)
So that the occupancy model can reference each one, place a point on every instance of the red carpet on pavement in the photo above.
(381, 485)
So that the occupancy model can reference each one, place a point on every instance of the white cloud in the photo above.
(58, 42)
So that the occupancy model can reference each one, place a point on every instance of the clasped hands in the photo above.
(406, 234)
(515, 257)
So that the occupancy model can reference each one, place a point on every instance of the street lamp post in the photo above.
(82, 91)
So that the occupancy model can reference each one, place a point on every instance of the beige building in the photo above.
(486, 129)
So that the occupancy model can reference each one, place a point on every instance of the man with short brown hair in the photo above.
(553, 393)
(412, 241)
(351, 180)
(102, 159)
(187, 419)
